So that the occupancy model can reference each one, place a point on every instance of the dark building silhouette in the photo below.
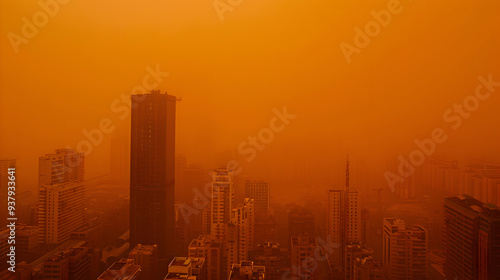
(471, 239)
(152, 171)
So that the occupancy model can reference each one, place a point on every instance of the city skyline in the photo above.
(249, 140)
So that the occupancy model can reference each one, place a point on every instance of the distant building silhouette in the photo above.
(152, 171)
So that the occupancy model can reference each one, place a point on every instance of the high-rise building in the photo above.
(302, 252)
(244, 218)
(247, 271)
(404, 250)
(213, 253)
(222, 201)
(182, 268)
(335, 214)
(152, 171)
(147, 257)
(60, 195)
(471, 239)
(260, 193)
(124, 269)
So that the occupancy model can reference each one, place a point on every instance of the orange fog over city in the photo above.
(249, 139)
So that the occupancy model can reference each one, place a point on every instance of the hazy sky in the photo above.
(230, 75)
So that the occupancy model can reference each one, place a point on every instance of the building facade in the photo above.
(152, 171)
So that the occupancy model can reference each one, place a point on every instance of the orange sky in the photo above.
(230, 74)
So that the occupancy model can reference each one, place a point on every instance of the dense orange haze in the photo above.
(232, 73)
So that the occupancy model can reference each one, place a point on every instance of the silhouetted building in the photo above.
(152, 171)
(247, 271)
(302, 252)
(404, 250)
(124, 269)
(60, 195)
(213, 253)
(273, 258)
(147, 257)
(471, 239)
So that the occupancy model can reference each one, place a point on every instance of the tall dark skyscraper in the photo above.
(152, 171)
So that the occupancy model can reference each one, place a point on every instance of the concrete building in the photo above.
(187, 268)
(244, 218)
(471, 239)
(273, 258)
(75, 264)
(259, 191)
(152, 171)
(302, 252)
(404, 250)
(60, 195)
(213, 253)
(335, 214)
(147, 257)
(222, 202)
(124, 269)
(247, 271)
